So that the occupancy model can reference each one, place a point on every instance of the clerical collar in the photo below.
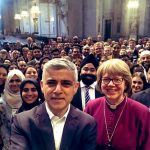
(114, 106)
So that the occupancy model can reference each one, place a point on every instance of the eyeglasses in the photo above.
(115, 81)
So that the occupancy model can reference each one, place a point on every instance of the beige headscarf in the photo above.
(13, 100)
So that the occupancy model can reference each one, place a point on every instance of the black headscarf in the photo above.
(25, 106)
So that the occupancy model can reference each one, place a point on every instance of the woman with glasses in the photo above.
(10, 103)
(122, 123)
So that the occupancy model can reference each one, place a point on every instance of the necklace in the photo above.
(109, 137)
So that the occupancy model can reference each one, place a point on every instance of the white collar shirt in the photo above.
(57, 125)
(91, 92)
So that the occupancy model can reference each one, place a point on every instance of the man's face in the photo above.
(25, 51)
(75, 52)
(59, 39)
(86, 51)
(148, 45)
(75, 39)
(88, 74)
(132, 44)
(3, 54)
(3, 75)
(116, 50)
(22, 65)
(54, 44)
(16, 54)
(99, 38)
(37, 53)
(145, 59)
(59, 87)
(98, 49)
(107, 51)
(122, 52)
(89, 41)
(56, 54)
(88, 69)
(29, 40)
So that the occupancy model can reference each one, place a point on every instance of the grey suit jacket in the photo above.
(32, 130)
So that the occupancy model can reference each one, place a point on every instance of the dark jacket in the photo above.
(77, 99)
(142, 97)
(32, 130)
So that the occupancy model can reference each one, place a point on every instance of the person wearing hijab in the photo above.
(31, 94)
(10, 103)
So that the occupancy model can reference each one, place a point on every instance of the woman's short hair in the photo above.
(115, 67)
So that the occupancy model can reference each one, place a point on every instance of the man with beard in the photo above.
(87, 78)
(145, 60)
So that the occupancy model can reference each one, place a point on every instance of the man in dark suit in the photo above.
(87, 78)
(142, 97)
(37, 55)
(29, 42)
(55, 124)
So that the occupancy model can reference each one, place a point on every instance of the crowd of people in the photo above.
(48, 90)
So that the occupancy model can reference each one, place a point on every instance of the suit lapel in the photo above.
(69, 129)
(45, 128)
(77, 99)
(97, 94)
(80, 97)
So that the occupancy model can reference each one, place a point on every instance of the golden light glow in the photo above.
(133, 4)
(35, 11)
(24, 14)
(17, 17)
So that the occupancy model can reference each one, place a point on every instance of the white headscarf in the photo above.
(13, 100)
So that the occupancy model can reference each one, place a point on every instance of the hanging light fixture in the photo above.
(134, 4)
(24, 13)
(35, 11)
(17, 17)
